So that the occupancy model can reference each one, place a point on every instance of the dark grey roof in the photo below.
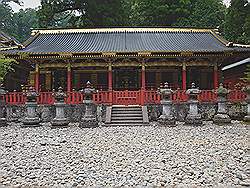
(7, 41)
(113, 40)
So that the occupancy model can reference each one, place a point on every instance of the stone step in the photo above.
(126, 121)
(118, 110)
(126, 118)
(126, 115)
(126, 112)
(125, 125)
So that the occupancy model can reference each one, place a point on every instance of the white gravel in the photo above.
(210, 155)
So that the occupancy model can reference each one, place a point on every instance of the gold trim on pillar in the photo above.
(184, 66)
(37, 67)
(32, 78)
(216, 67)
(110, 67)
(69, 67)
(143, 67)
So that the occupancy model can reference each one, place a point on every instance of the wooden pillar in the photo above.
(48, 80)
(143, 85)
(215, 76)
(69, 78)
(157, 79)
(143, 77)
(110, 84)
(184, 77)
(110, 78)
(37, 81)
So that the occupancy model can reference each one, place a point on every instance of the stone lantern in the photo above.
(222, 116)
(89, 119)
(193, 116)
(31, 118)
(247, 90)
(3, 121)
(166, 118)
(60, 119)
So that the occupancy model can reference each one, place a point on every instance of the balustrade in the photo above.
(124, 97)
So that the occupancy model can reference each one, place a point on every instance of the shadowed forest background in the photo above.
(233, 22)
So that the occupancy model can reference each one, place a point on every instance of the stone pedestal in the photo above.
(221, 117)
(89, 119)
(166, 119)
(193, 116)
(31, 119)
(3, 121)
(60, 119)
(247, 117)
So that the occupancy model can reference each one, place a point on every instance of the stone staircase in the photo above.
(127, 116)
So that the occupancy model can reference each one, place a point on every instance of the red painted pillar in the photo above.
(69, 78)
(184, 77)
(215, 77)
(37, 75)
(143, 85)
(110, 84)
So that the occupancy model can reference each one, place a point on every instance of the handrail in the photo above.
(124, 97)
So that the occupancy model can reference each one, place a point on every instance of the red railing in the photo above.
(15, 98)
(45, 98)
(124, 97)
(237, 96)
(102, 97)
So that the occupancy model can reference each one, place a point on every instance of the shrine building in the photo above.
(125, 59)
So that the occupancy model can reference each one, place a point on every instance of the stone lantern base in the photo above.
(89, 122)
(193, 120)
(31, 122)
(58, 122)
(221, 119)
(247, 118)
(3, 122)
(166, 121)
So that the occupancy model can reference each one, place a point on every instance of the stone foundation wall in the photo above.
(207, 110)
(75, 112)
(47, 112)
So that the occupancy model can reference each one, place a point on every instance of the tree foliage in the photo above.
(237, 22)
(234, 22)
(8, 1)
(17, 24)
(5, 66)
(81, 13)
(158, 12)
(204, 14)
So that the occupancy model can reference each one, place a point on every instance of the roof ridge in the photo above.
(107, 30)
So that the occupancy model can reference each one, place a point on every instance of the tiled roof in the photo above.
(125, 40)
(7, 42)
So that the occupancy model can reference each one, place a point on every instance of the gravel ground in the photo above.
(209, 155)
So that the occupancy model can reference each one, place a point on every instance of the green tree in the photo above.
(5, 66)
(6, 17)
(8, 1)
(22, 23)
(17, 24)
(157, 12)
(204, 14)
(81, 13)
(236, 27)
